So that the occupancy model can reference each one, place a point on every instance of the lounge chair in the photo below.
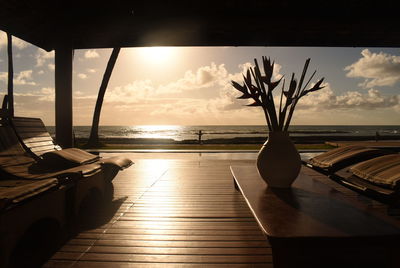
(341, 157)
(77, 186)
(378, 178)
(29, 208)
(90, 179)
(35, 138)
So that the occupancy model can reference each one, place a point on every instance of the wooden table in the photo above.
(314, 225)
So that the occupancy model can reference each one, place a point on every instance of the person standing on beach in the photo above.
(200, 134)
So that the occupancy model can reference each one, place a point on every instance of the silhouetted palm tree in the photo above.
(94, 132)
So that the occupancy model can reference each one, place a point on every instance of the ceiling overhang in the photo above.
(86, 24)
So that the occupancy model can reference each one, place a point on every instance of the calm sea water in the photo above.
(180, 133)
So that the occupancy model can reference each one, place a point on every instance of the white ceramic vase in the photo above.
(278, 161)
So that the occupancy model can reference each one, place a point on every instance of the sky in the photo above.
(192, 85)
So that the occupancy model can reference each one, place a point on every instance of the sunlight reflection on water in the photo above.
(158, 131)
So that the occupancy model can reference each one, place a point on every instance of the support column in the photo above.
(10, 84)
(63, 99)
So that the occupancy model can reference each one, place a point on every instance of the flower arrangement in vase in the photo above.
(278, 161)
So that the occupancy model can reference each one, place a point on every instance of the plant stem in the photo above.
(283, 112)
(266, 97)
(280, 106)
(268, 120)
(290, 114)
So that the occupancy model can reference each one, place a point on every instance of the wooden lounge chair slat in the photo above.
(24, 190)
(32, 129)
(40, 144)
(42, 148)
(336, 159)
(42, 136)
(28, 123)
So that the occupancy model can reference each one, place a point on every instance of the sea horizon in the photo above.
(208, 132)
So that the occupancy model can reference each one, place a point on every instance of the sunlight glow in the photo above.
(157, 55)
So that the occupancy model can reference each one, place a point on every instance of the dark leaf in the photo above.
(292, 86)
(268, 68)
(264, 79)
(253, 73)
(303, 73)
(317, 85)
(254, 104)
(271, 69)
(247, 78)
(236, 85)
(245, 96)
(273, 85)
(253, 89)
(257, 70)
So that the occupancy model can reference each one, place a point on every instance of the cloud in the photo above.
(92, 71)
(46, 94)
(325, 99)
(213, 79)
(91, 54)
(378, 69)
(205, 93)
(82, 76)
(51, 66)
(22, 78)
(43, 56)
(203, 77)
(131, 93)
(17, 43)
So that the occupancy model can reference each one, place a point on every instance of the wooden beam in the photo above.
(63, 99)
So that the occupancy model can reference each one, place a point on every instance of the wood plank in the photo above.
(165, 258)
(19, 119)
(160, 243)
(170, 250)
(97, 264)
(32, 129)
(108, 236)
(181, 225)
(36, 137)
(39, 143)
(178, 232)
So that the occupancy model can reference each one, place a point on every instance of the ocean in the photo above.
(180, 133)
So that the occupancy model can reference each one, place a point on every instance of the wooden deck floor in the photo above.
(179, 210)
(173, 210)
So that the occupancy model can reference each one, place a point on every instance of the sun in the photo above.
(157, 55)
